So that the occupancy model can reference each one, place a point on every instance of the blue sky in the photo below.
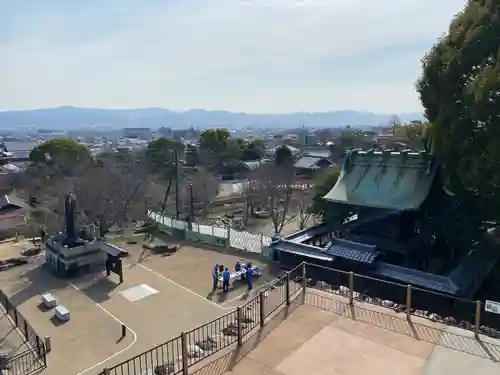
(260, 56)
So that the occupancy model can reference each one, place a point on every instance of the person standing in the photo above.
(249, 276)
(215, 277)
(225, 280)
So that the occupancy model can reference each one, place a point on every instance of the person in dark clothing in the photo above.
(237, 268)
(225, 280)
(249, 276)
(215, 277)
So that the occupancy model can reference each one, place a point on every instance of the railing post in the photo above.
(478, 319)
(262, 310)
(287, 288)
(105, 371)
(304, 281)
(48, 344)
(15, 317)
(184, 347)
(351, 288)
(228, 243)
(408, 302)
(238, 324)
(26, 335)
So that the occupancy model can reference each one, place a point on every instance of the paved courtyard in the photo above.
(192, 266)
(324, 336)
(92, 337)
(312, 340)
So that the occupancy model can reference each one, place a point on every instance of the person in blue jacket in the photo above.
(225, 280)
(237, 267)
(215, 277)
(249, 276)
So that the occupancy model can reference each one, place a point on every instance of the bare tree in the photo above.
(303, 202)
(202, 187)
(273, 186)
(110, 192)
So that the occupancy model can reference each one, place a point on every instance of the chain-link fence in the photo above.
(212, 235)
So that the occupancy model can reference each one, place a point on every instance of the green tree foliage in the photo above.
(233, 150)
(160, 153)
(283, 155)
(253, 151)
(460, 91)
(62, 157)
(214, 140)
(216, 146)
(322, 185)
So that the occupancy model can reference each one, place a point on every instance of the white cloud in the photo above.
(197, 53)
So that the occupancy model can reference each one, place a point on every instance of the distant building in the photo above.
(307, 165)
(143, 133)
(8, 171)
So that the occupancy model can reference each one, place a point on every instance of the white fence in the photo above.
(237, 239)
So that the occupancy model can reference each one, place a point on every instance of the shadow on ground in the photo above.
(34, 282)
(227, 360)
(101, 289)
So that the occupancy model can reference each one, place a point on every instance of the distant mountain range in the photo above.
(68, 118)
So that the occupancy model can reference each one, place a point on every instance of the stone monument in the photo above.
(67, 254)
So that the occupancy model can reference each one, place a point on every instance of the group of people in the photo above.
(219, 269)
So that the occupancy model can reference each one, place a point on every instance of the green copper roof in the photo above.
(383, 179)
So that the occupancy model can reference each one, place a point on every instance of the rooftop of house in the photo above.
(384, 179)
(462, 280)
(310, 162)
(11, 200)
(254, 164)
(317, 152)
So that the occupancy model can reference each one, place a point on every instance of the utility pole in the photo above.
(177, 210)
(191, 202)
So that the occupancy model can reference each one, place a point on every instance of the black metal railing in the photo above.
(212, 337)
(162, 359)
(178, 354)
(34, 358)
(25, 363)
(443, 308)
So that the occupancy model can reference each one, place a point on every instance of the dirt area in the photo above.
(182, 300)
(11, 248)
(191, 267)
(267, 227)
(98, 307)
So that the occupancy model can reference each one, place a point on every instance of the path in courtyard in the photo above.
(155, 319)
(92, 339)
